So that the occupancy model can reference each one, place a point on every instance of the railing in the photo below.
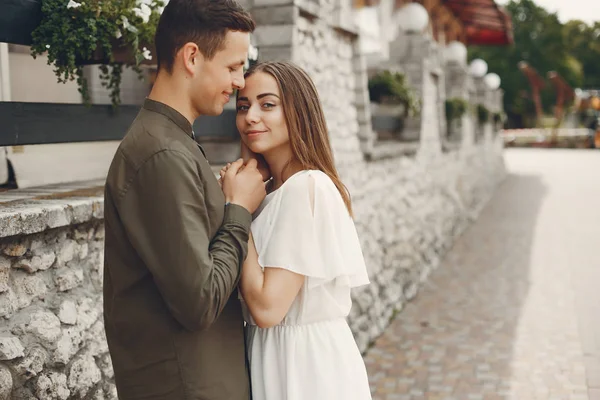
(43, 123)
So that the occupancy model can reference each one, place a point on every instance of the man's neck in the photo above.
(166, 91)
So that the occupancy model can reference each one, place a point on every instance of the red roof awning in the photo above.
(485, 23)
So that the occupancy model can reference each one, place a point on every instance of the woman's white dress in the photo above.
(304, 226)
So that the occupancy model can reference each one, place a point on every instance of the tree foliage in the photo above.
(541, 40)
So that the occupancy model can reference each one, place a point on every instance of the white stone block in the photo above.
(273, 35)
(10, 347)
(68, 278)
(45, 325)
(6, 383)
(14, 249)
(66, 252)
(52, 386)
(37, 263)
(67, 346)
(68, 312)
(83, 375)
(28, 288)
(4, 273)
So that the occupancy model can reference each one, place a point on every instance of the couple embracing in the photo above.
(238, 287)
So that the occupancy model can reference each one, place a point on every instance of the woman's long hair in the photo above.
(305, 120)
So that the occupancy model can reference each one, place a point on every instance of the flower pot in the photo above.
(121, 53)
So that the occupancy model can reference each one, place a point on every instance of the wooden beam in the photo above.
(42, 123)
(18, 18)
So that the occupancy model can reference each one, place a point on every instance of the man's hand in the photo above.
(243, 184)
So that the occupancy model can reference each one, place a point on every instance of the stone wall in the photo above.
(52, 342)
(410, 202)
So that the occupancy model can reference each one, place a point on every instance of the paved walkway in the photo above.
(513, 312)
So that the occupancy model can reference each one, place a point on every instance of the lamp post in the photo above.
(478, 68)
(456, 53)
(492, 81)
(413, 18)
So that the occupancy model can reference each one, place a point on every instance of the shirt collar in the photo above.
(170, 113)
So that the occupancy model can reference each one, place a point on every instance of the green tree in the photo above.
(540, 41)
(584, 45)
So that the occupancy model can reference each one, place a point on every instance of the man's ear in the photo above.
(190, 57)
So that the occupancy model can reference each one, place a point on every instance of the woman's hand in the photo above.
(263, 167)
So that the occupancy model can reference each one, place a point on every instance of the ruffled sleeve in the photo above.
(309, 231)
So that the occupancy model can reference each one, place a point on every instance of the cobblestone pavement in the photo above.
(513, 312)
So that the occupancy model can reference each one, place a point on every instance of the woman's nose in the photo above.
(252, 116)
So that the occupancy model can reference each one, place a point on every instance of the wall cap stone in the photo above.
(28, 211)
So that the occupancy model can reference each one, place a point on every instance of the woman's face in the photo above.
(260, 119)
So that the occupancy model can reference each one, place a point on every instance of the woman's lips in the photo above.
(254, 134)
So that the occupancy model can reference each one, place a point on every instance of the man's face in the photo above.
(216, 79)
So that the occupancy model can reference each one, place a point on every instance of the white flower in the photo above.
(252, 53)
(118, 34)
(47, 46)
(146, 54)
(127, 25)
(161, 8)
(143, 12)
(73, 4)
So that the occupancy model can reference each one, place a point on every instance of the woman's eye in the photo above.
(242, 108)
(268, 105)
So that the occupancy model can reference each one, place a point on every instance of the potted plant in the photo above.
(455, 109)
(110, 33)
(395, 101)
(483, 114)
(499, 118)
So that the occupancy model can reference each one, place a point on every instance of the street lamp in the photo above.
(492, 80)
(413, 18)
(456, 53)
(478, 68)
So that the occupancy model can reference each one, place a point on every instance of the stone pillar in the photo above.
(419, 57)
(363, 104)
(480, 97)
(457, 87)
(274, 34)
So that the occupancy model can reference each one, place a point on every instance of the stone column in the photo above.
(480, 97)
(274, 34)
(419, 58)
(457, 87)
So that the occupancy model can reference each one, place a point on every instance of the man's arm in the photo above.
(167, 223)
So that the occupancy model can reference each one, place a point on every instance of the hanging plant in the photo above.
(392, 88)
(455, 108)
(107, 32)
(483, 114)
(499, 118)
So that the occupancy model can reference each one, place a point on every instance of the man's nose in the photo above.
(239, 81)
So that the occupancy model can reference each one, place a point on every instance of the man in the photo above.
(175, 241)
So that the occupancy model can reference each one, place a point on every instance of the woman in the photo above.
(304, 254)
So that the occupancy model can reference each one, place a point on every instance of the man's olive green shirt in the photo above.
(173, 257)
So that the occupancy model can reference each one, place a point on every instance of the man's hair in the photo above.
(204, 22)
